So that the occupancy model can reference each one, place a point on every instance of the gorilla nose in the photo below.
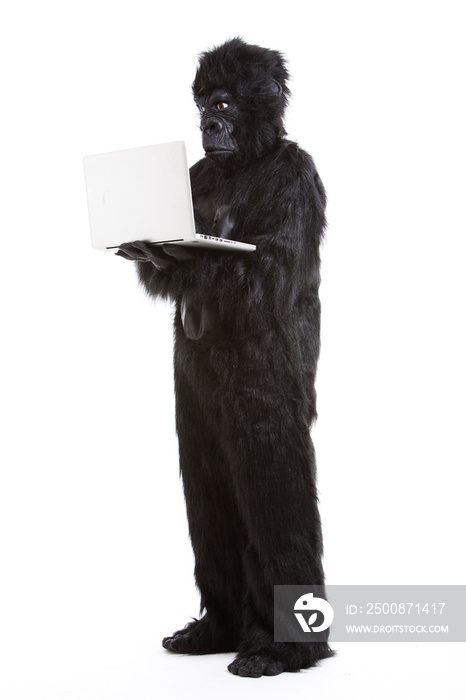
(212, 126)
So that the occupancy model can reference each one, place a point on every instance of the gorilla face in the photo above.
(218, 113)
(241, 92)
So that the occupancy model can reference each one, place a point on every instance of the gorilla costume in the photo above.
(246, 332)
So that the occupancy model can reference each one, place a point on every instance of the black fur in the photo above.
(246, 349)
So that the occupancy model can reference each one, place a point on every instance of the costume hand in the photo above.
(162, 257)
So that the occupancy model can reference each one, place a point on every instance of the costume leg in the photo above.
(273, 471)
(216, 531)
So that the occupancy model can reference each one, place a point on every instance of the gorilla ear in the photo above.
(276, 88)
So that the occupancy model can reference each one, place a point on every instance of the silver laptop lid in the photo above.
(139, 194)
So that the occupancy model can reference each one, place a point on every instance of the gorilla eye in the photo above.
(201, 108)
(221, 106)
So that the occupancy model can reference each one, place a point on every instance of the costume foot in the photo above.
(279, 657)
(201, 637)
(255, 666)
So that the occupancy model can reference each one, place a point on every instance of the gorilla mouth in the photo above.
(212, 149)
(219, 155)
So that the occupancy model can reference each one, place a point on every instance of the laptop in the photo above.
(144, 194)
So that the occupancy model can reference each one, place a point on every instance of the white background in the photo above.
(95, 556)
